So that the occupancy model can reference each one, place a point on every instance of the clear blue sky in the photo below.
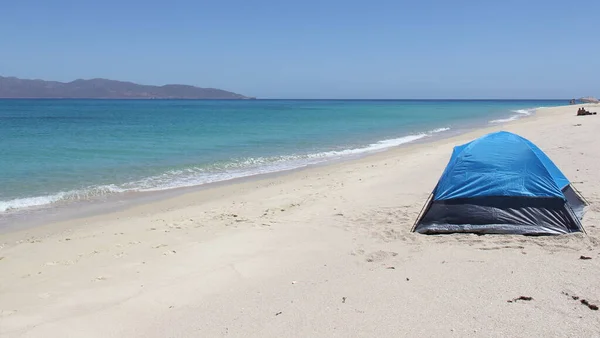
(313, 49)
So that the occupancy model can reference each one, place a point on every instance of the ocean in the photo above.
(54, 152)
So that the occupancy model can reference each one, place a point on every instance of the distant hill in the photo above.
(12, 87)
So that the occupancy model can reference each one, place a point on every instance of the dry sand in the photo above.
(322, 252)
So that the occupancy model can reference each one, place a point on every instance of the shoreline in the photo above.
(324, 251)
(62, 210)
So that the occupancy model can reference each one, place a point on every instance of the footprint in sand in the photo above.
(358, 252)
(174, 226)
(519, 247)
(379, 256)
(45, 295)
(29, 240)
(6, 313)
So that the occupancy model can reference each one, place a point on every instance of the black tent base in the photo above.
(499, 215)
(488, 230)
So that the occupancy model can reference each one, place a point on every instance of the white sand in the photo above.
(323, 252)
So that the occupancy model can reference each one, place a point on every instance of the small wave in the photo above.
(519, 113)
(512, 118)
(439, 130)
(525, 112)
(63, 196)
(218, 172)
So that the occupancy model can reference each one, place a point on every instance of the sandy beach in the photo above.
(321, 252)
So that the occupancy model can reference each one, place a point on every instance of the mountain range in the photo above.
(12, 87)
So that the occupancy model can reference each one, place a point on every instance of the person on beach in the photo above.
(581, 112)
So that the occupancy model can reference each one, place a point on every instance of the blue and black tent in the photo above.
(502, 183)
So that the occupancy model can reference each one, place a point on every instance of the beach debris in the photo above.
(343, 299)
(407, 279)
(100, 278)
(339, 214)
(577, 125)
(514, 300)
(172, 306)
(1, 258)
(589, 305)
(278, 313)
(584, 257)
(294, 282)
(67, 239)
(391, 268)
(151, 229)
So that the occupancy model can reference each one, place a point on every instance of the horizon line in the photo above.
(291, 99)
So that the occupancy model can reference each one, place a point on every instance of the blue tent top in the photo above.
(500, 164)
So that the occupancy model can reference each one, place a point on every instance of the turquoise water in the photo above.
(57, 151)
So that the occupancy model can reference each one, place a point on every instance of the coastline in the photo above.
(107, 197)
(323, 238)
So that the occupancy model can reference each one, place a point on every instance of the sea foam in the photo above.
(519, 113)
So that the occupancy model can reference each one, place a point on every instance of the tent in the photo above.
(501, 183)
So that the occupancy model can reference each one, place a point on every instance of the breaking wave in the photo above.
(519, 113)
